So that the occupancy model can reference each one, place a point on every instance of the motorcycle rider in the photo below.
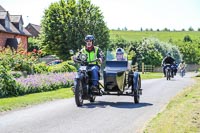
(120, 54)
(167, 60)
(93, 52)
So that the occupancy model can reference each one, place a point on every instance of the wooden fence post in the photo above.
(143, 68)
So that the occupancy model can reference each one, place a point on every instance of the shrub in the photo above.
(8, 86)
(40, 68)
(62, 67)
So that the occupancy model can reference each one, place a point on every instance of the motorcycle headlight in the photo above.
(83, 57)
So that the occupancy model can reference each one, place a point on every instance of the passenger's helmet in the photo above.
(89, 37)
(119, 51)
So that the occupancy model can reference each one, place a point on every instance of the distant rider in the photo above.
(182, 66)
(167, 60)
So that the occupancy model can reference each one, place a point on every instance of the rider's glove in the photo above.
(74, 58)
(100, 60)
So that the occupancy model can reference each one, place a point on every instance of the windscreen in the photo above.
(113, 56)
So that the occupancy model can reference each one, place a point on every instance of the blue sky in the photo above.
(133, 14)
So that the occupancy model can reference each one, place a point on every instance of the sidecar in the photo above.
(119, 78)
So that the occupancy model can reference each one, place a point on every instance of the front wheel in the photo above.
(79, 93)
(168, 74)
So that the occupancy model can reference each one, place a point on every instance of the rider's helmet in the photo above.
(120, 54)
(90, 37)
(89, 46)
(119, 51)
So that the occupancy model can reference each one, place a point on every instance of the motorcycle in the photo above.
(83, 83)
(118, 80)
(174, 68)
(169, 72)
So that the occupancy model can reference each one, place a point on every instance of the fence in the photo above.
(143, 68)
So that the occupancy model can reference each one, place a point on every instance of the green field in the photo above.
(161, 35)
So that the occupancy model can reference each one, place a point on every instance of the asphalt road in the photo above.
(109, 114)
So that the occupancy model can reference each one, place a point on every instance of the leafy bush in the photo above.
(41, 68)
(19, 61)
(16, 74)
(62, 67)
(8, 86)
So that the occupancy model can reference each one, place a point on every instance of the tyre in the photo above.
(79, 93)
(168, 75)
(136, 91)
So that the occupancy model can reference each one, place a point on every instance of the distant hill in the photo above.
(161, 35)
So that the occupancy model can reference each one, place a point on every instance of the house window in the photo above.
(7, 23)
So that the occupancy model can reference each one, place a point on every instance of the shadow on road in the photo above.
(125, 105)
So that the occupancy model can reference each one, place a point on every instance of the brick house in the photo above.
(12, 32)
(34, 29)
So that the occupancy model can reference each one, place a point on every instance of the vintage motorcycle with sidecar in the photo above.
(118, 79)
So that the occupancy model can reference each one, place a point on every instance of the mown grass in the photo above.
(12, 103)
(182, 114)
(161, 35)
(151, 75)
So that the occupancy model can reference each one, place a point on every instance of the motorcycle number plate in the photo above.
(82, 68)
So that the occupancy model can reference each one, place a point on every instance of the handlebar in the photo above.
(80, 61)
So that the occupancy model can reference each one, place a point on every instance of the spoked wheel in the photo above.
(137, 91)
(168, 74)
(79, 93)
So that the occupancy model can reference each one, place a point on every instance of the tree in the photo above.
(65, 24)
(190, 29)
(187, 39)
(165, 29)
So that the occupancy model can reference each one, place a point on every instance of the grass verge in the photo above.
(182, 114)
(12, 103)
(151, 75)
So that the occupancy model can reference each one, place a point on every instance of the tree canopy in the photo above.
(66, 23)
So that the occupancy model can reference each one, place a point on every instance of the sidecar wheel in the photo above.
(136, 91)
(92, 99)
(79, 93)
